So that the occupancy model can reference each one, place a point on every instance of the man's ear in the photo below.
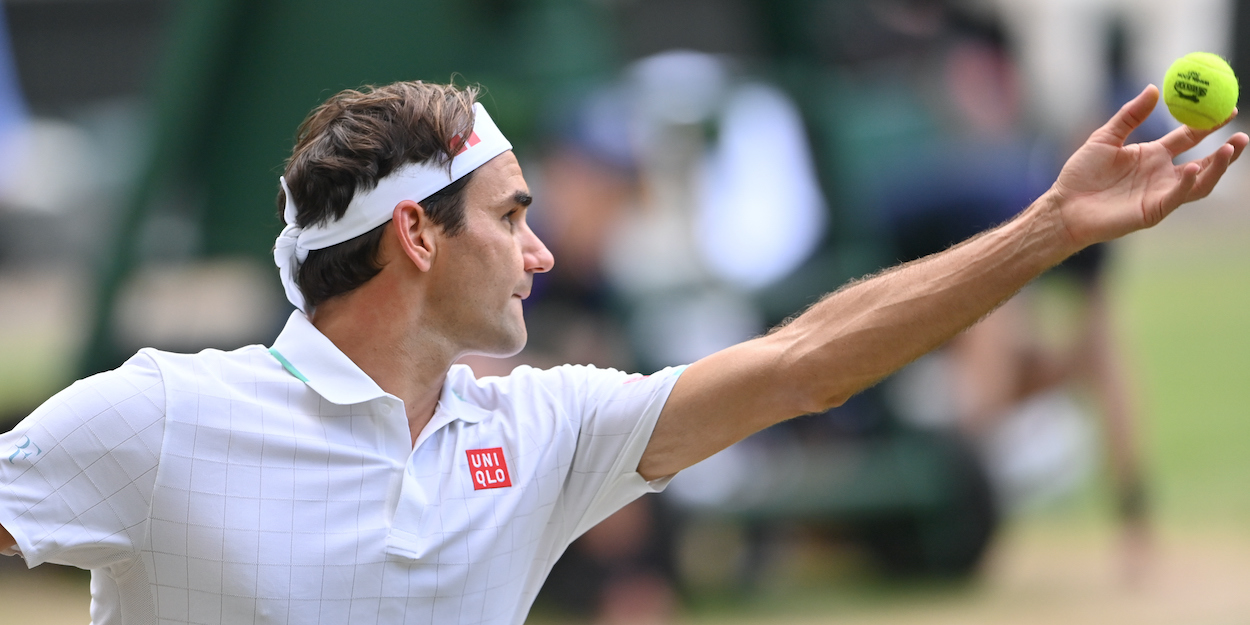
(415, 233)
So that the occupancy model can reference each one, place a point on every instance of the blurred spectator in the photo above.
(1002, 382)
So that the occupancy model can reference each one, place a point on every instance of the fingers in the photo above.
(1239, 142)
(1128, 118)
(1184, 139)
(1207, 172)
(1212, 169)
(1222, 157)
(1179, 194)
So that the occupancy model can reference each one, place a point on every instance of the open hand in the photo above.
(1107, 189)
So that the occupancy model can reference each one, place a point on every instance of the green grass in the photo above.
(1183, 308)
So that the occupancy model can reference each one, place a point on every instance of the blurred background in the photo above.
(703, 169)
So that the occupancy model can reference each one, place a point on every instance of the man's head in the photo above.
(348, 144)
(407, 198)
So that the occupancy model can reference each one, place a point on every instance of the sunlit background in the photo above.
(703, 169)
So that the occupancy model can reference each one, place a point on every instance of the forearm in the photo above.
(863, 332)
(849, 340)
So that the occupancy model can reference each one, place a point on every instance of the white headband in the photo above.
(370, 209)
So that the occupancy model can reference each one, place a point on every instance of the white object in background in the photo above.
(922, 393)
(678, 328)
(51, 168)
(761, 212)
(1043, 450)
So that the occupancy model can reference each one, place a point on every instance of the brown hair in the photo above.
(356, 138)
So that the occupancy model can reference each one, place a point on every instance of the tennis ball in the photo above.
(1200, 90)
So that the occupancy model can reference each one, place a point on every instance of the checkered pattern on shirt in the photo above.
(274, 505)
(83, 499)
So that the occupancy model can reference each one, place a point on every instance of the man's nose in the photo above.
(538, 259)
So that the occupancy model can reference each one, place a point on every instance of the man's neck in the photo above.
(377, 333)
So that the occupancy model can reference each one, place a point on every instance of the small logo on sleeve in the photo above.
(488, 469)
(26, 449)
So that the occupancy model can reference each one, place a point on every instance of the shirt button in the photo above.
(386, 409)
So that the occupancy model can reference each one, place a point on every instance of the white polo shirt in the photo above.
(279, 485)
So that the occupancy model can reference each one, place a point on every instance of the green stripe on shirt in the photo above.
(286, 364)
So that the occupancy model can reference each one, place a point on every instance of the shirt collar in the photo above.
(452, 404)
(307, 354)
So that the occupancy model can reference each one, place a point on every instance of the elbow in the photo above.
(812, 386)
(829, 403)
(819, 401)
(819, 383)
(836, 388)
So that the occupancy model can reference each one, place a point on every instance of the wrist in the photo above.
(1047, 224)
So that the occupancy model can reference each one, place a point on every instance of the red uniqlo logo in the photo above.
(488, 468)
(468, 143)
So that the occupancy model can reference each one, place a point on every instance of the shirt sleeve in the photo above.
(615, 414)
(77, 475)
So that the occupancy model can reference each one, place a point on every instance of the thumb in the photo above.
(1128, 118)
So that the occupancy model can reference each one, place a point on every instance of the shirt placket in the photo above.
(415, 521)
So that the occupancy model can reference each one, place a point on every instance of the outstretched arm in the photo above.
(868, 329)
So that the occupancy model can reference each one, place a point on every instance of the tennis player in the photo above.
(351, 473)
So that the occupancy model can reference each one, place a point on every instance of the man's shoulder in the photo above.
(101, 411)
(245, 364)
(245, 355)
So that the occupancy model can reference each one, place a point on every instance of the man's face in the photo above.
(487, 269)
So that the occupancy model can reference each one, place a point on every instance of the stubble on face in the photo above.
(484, 277)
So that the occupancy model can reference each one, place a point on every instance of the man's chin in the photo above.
(512, 350)
(506, 346)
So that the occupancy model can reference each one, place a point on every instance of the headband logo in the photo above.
(367, 210)
(466, 144)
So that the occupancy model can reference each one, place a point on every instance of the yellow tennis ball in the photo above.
(1200, 90)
